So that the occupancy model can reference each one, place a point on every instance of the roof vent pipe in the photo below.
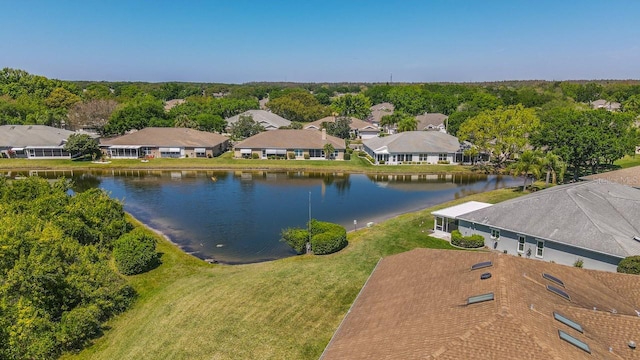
(636, 238)
(632, 344)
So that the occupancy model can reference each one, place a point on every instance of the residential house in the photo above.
(33, 142)
(299, 144)
(444, 304)
(378, 111)
(425, 147)
(359, 129)
(159, 142)
(595, 222)
(607, 105)
(267, 119)
(432, 122)
(629, 176)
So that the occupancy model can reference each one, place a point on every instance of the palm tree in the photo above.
(407, 124)
(528, 163)
(554, 167)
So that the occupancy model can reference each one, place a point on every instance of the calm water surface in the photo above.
(236, 217)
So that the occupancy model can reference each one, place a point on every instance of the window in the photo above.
(521, 241)
(442, 157)
(539, 248)
(316, 153)
(423, 157)
(495, 234)
(200, 152)
(299, 152)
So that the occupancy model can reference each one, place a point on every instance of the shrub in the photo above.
(307, 156)
(630, 265)
(78, 326)
(255, 156)
(326, 237)
(135, 252)
(296, 238)
(291, 155)
(347, 156)
(444, 162)
(578, 263)
(470, 242)
(381, 162)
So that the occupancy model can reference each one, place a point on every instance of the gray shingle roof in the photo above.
(290, 139)
(599, 216)
(380, 110)
(265, 118)
(433, 119)
(415, 142)
(356, 124)
(177, 137)
(32, 135)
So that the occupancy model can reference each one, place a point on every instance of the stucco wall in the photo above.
(556, 252)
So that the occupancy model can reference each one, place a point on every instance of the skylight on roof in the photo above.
(480, 298)
(559, 292)
(481, 265)
(570, 323)
(553, 278)
(573, 341)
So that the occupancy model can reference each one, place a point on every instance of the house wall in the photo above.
(553, 251)
(431, 158)
(238, 155)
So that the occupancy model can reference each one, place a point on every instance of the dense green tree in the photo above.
(407, 124)
(629, 265)
(632, 104)
(298, 106)
(81, 145)
(136, 115)
(61, 98)
(96, 92)
(378, 93)
(135, 252)
(341, 127)
(502, 132)
(328, 150)
(553, 166)
(358, 106)
(528, 163)
(586, 139)
(245, 127)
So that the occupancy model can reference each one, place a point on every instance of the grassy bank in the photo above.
(227, 162)
(628, 161)
(284, 309)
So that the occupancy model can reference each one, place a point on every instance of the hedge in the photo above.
(327, 238)
(296, 238)
(468, 242)
(630, 265)
(135, 252)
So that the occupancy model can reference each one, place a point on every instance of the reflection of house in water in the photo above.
(436, 182)
(297, 178)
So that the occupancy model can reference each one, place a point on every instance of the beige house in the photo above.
(432, 122)
(292, 144)
(359, 129)
(33, 142)
(154, 142)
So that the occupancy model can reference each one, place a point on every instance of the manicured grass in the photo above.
(284, 309)
(628, 161)
(227, 162)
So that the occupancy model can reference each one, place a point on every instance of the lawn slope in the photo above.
(284, 309)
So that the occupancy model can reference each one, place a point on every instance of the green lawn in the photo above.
(284, 309)
(227, 162)
(628, 161)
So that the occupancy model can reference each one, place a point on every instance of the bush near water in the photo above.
(326, 237)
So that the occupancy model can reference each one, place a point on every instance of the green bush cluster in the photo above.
(291, 155)
(630, 265)
(57, 286)
(347, 156)
(296, 238)
(469, 242)
(443, 162)
(326, 237)
(255, 156)
(135, 252)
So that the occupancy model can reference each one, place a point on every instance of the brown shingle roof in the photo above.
(380, 110)
(414, 307)
(156, 136)
(433, 119)
(290, 139)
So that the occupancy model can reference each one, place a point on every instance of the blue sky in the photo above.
(237, 41)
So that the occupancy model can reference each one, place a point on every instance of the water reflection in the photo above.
(236, 217)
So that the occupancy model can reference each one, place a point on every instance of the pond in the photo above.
(236, 217)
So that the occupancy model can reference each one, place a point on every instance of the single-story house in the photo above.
(300, 144)
(267, 119)
(607, 105)
(33, 142)
(592, 221)
(444, 304)
(378, 111)
(170, 104)
(359, 129)
(425, 147)
(160, 142)
(432, 122)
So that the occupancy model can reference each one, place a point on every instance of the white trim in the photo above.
(524, 244)
(538, 241)
(245, 151)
